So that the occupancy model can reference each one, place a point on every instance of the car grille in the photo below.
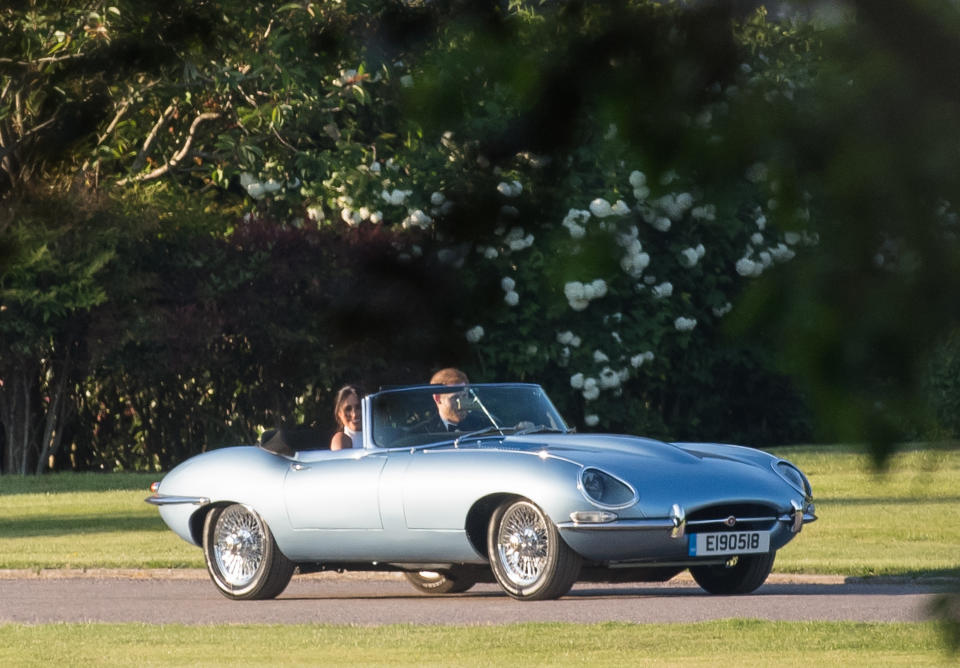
(746, 517)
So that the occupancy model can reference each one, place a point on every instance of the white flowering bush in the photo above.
(604, 270)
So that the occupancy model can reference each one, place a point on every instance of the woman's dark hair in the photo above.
(345, 392)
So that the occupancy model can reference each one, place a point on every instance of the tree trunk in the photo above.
(32, 428)
(15, 412)
(56, 413)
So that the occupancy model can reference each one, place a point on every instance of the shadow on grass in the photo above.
(63, 525)
(933, 577)
(71, 483)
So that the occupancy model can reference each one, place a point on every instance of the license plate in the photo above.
(729, 542)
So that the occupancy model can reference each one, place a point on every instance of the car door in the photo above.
(335, 490)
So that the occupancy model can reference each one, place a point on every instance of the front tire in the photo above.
(241, 555)
(436, 582)
(527, 556)
(742, 577)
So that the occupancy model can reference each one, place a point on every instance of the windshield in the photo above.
(431, 414)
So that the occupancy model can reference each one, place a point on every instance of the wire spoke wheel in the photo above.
(238, 546)
(241, 555)
(522, 544)
(528, 557)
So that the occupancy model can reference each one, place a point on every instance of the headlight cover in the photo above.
(795, 477)
(605, 490)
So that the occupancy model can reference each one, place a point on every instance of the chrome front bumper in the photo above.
(676, 524)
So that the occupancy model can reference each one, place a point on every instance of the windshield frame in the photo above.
(499, 431)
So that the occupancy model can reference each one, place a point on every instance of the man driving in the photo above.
(452, 406)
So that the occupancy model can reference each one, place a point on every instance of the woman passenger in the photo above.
(347, 413)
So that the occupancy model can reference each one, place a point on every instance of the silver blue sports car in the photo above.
(456, 485)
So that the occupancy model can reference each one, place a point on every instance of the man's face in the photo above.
(449, 406)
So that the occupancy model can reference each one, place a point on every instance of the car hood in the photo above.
(592, 449)
(707, 473)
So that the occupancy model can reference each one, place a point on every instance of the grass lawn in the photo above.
(732, 642)
(904, 521)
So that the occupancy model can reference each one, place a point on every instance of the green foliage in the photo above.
(573, 193)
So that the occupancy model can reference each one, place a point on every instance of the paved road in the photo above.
(189, 598)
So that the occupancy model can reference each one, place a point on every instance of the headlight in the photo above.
(797, 480)
(605, 490)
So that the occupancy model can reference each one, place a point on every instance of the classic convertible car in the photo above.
(518, 499)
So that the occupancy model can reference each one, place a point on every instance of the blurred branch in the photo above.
(178, 156)
(141, 159)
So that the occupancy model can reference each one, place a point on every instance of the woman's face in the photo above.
(350, 412)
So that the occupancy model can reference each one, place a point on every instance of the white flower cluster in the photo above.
(511, 296)
(704, 212)
(639, 182)
(610, 379)
(355, 217)
(747, 266)
(573, 221)
(513, 189)
(417, 218)
(516, 240)
(258, 190)
(568, 338)
(579, 294)
(591, 420)
(663, 290)
(721, 311)
(639, 359)
(590, 387)
(683, 324)
(751, 265)
(601, 208)
(634, 260)
(396, 197)
(689, 257)
(474, 334)
(663, 212)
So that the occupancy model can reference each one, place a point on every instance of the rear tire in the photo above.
(744, 576)
(241, 555)
(453, 581)
(528, 557)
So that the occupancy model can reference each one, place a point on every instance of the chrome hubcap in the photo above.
(523, 544)
(238, 545)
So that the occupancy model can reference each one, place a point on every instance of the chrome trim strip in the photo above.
(705, 561)
(622, 525)
(740, 520)
(161, 500)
